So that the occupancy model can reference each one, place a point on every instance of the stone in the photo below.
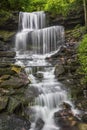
(84, 118)
(14, 82)
(13, 104)
(4, 65)
(66, 105)
(39, 75)
(82, 126)
(39, 124)
(5, 77)
(59, 70)
(66, 119)
(13, 122)
(6, 71)
(3, 102)
(10, 54)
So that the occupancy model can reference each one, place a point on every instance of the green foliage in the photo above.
(4, 16)
(14, 4)
(54, 6)
(36, 5)
(62, 6)
(57, 6)
(82, 55)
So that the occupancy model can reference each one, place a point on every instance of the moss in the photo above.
(6, 34)
(4, 15)
(76, 34)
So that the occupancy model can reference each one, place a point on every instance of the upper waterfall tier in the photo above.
(34, 20)
(40, 41)
(34, 37)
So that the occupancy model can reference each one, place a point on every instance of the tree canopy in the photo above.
(54, 6)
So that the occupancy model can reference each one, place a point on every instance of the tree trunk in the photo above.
(85, 12)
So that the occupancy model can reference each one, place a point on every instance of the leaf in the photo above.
(17, 69)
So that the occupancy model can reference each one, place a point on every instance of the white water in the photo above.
(43, 41)
(34, 37)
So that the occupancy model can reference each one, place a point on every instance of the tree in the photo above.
(85, 12)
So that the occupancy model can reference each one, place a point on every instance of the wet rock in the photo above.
(3, 102)
(7, 60)
(84, 118)
(10, 54)
(13, 122)
(14, 82)
(39, 124)
(13, 104)
(6, 71)
(65, 118)
(1, 38)
(39, 75)
(66, 105)
(4, 65)
(82, 126)
(59, 70)
(32, 91)
(5, 77)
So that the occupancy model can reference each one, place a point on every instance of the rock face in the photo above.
(73, 19)
(66, 119)
(39, 124)
(13, 123)
(9, 22)
(13, 82)
(66, 71)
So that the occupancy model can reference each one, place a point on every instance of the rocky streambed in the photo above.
(14, 83)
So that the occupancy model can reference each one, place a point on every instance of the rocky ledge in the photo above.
(66, 67)
(66, 119)
(13, 84)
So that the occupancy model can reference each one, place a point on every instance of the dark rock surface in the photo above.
(13, 122)
(66, 119)
(39, 124)
(13, 82)
(11, 22)
(73, 19)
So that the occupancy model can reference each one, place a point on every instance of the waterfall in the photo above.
(34, 36)
(35, 20)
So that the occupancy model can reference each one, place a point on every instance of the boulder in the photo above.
(13, 104)
(59, 70)
(39, 75)
(65, 118)
(14, 82)
(9, 54)
(13, 122)
(3, 102)
(82, 126)
(39, 124)
(84, 118)
(6, 71)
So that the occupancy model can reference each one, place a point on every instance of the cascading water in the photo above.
(32, 36)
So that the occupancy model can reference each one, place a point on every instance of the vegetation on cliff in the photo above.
(82, 54)
(54, 6)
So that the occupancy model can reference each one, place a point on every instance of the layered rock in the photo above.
(67, 120)
(13, 82)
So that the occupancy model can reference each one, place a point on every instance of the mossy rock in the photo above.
(10, 54)
(6, 71)
(82, 126)
(5, 35)
(13, 104)
(4, 15)
(3, 102)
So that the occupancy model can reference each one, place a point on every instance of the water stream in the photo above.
(34, 43)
